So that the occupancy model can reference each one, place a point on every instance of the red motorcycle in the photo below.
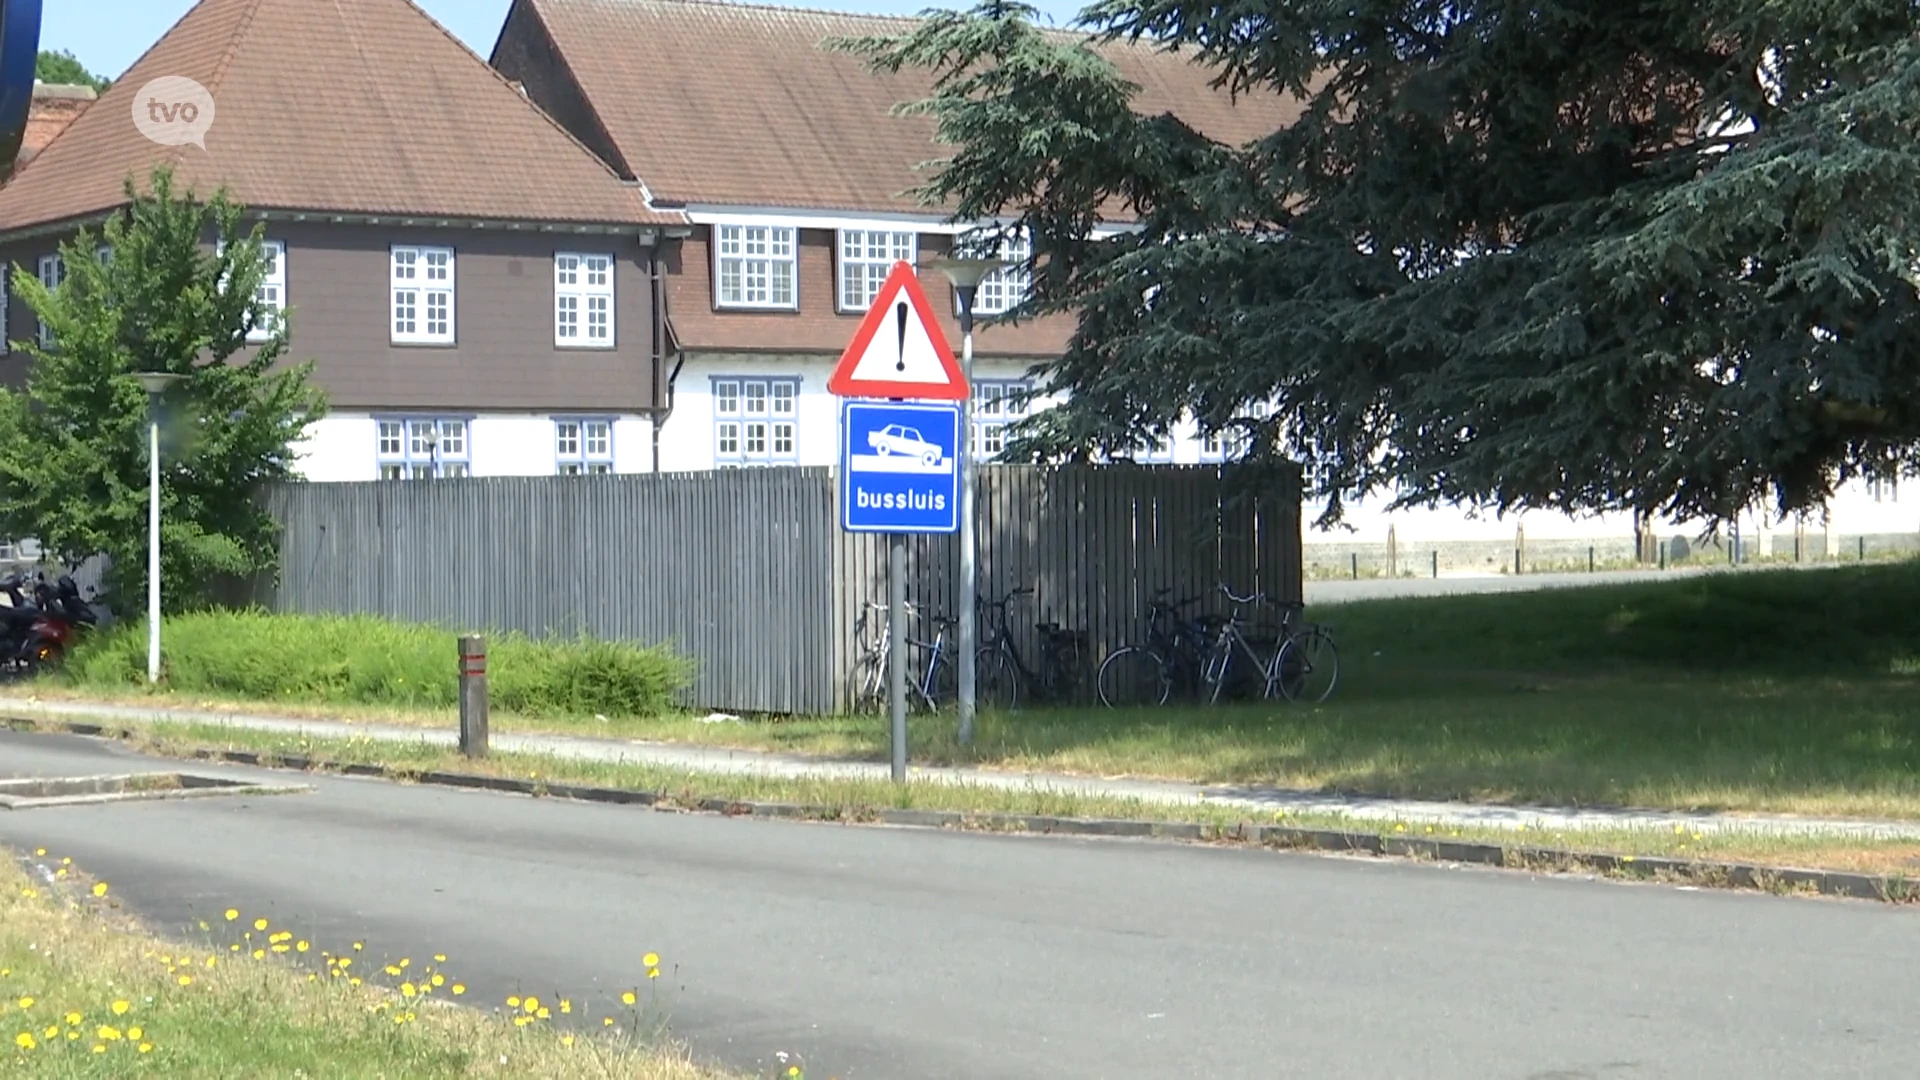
(38, 633)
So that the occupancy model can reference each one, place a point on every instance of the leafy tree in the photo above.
(62, 67)
(1654, 256)
(149, 293)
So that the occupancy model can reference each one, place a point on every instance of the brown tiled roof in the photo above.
(731, 104)
(349, 106)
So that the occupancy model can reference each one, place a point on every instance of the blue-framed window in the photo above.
(582, 445)
(756, 421)
(996, 403)
(422, 447)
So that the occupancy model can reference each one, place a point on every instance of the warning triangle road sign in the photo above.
(899, 350)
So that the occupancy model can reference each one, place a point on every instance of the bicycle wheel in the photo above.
(1133, 676)
(866, 684)
(1308, 666)
(941, 687)
(996, 685)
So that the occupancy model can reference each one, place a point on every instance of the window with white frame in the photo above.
(1157, 449)
(423, 289)
(271, 296)
(1232, 443)
(866, 257)
(1007, 287)
(755, 421)
(583, 446)
(1884, 489)
(755, 265)
(583, 301)
(996, 403)
(52, 272)
(427, 448)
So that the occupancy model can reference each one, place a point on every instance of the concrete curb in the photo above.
(1776, 879)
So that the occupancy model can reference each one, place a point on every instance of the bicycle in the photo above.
(868, 687)
(1002, 676)
(1171, 658)
(1233, 641)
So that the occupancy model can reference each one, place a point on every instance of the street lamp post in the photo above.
(154, 383)
(966, 275)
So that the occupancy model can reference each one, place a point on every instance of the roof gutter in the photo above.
(647, 234)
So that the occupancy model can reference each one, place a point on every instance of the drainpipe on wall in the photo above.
(662, 335)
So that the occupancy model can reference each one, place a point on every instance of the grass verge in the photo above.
(856, 801)
(1783, 691)
(86, 993)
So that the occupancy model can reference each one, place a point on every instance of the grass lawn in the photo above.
(853, 800)
(1788, 691)
(86, 993)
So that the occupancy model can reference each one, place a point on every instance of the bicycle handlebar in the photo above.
(1253, 599)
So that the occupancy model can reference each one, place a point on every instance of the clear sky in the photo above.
(109, 35)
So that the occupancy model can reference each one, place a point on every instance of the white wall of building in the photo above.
(342, 448)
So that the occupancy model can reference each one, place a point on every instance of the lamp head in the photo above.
(965, 273)
(156, 382)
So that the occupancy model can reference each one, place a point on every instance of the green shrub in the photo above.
(363, 660)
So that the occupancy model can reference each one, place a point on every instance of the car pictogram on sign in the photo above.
(906, 441)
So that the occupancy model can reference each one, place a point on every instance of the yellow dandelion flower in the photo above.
(793, 1070)
(120, 1008)
(532, 1004)
(136, 1034)
(399, 1020)
(212, 960)
(346, 961)
(40, 852)
(146, 1048)
(513, 1003)
(281, 948)
(458, 989)
(99, 1048)
(627, 998)
(653, 973)
(522, 1021)
(439, 958)
(404, 961)
(438, 979)
(544, 1013)
(186, 980)
(566, 1006)
(566, 1040)
(73, 1036)
(233, 948)
(100, 888)
(232, 914)
(52, 1032)
(30, 893)
(204, 926)
(25, 1040)
(357, 946)
(259, 924)
(67, 861)
(259, 954)
(301, 946)
(106, 1034)
(606, 1021)
(73, 1019)
(26, 1003)
(650, 960)
(355, 981)
(311, 977)
(392, 970)
(407, 990)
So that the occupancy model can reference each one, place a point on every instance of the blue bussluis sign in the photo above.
(899, 467)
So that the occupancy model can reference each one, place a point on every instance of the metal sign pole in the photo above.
(897, 648)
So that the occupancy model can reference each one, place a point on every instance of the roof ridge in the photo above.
(762, 5)
(501, 78)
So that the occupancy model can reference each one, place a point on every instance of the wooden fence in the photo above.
(748, 572)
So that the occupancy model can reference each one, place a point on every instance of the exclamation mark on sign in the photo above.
(900, 322)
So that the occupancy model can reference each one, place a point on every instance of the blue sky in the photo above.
(109, 35)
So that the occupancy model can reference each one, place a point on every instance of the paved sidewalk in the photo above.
(763, 763)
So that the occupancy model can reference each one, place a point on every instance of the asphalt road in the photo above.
(913, 954)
